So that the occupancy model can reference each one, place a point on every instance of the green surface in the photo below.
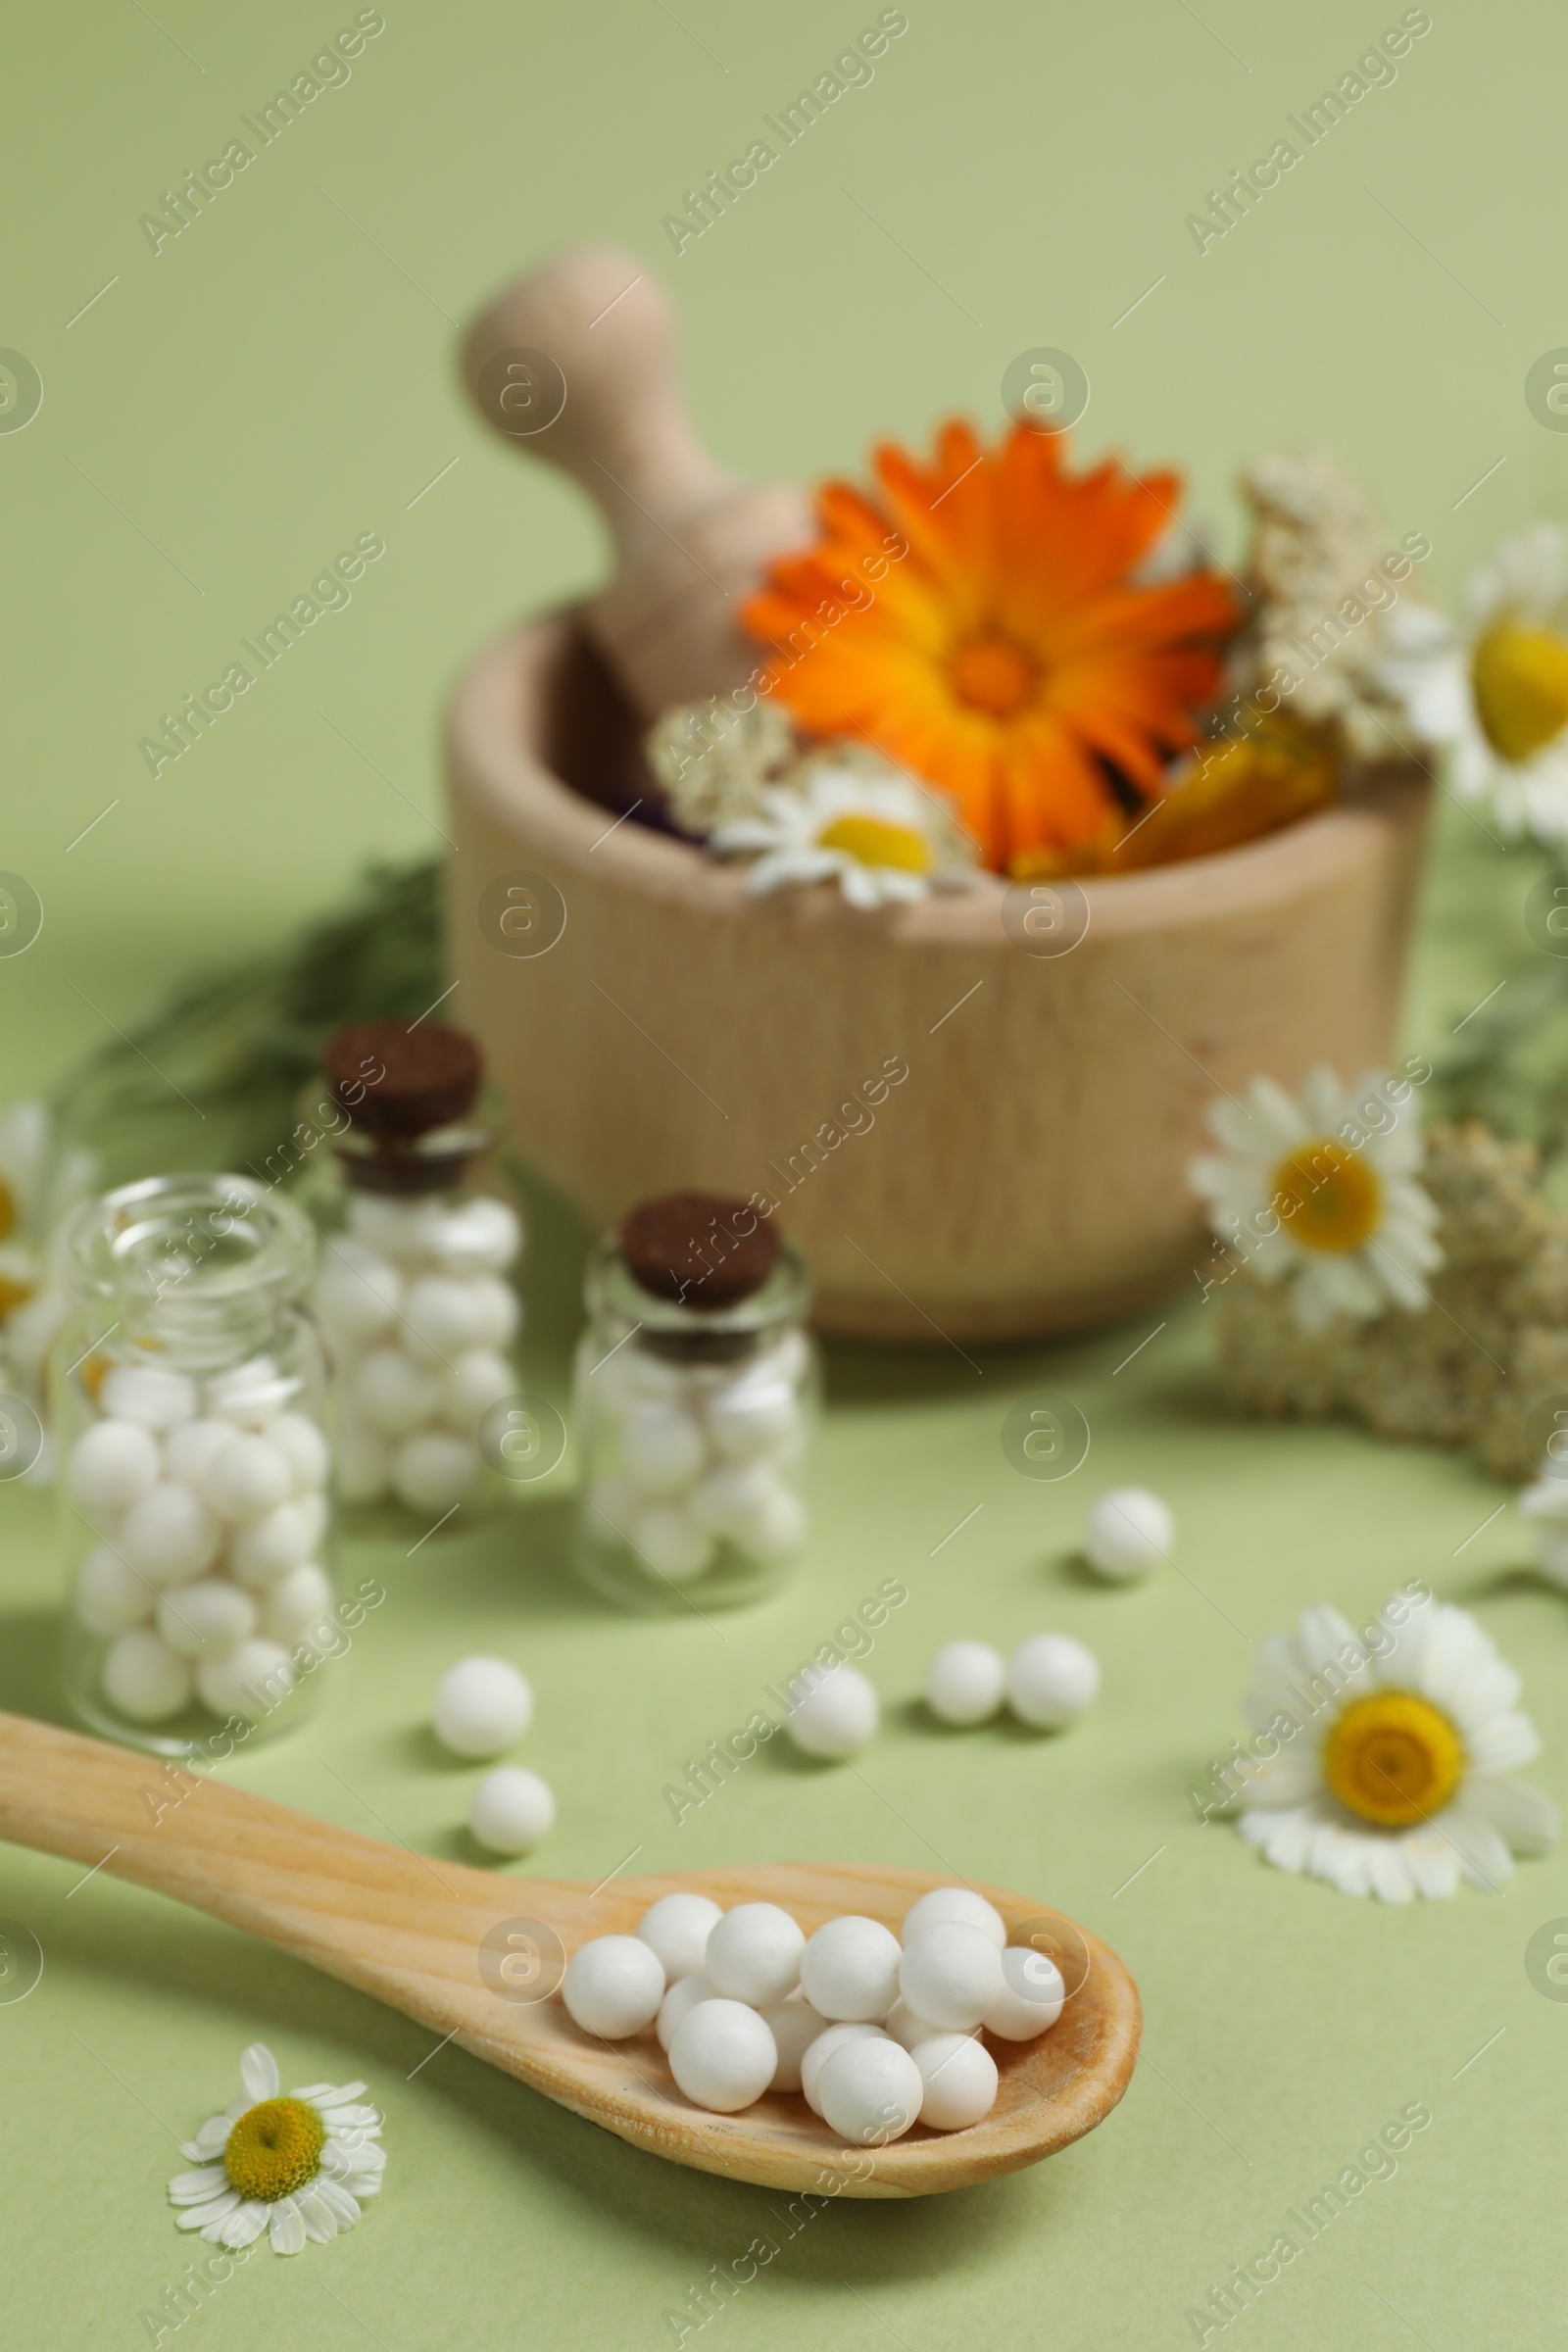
(216, 426)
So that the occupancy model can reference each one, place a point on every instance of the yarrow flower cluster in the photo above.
(299, 2166)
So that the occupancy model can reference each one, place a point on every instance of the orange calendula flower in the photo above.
(982, 626)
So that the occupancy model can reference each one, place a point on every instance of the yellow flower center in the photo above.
(875, 840)
(273, 2149)
(7, 1210)
(1328, 1196)
(1393, 1759)
(12, 1294)
(994, 674)
(1519, 678)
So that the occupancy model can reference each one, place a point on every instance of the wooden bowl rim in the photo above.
(495, 751)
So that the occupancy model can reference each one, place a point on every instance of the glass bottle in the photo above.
(420, 1318)
(695, 1402)
(190, 1403)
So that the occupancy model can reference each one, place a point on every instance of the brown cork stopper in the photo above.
(706, 1249)
(400, 1083)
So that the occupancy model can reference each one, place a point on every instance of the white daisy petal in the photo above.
(1483, 1855)
(339, 2201)
(244, 2226)
(212, 2211)
(193, 2188)
(286, 2228)
(257, 2070)
(320, 2220)
(1529, 1820)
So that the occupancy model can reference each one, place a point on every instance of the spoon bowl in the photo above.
(478, 1956)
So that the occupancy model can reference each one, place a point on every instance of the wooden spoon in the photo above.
(477, 1956)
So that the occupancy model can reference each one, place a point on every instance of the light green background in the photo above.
(225, 418)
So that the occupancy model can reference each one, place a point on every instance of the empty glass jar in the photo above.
(189, 1396)
(695, 1402)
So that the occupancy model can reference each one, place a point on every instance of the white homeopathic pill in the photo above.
(1031, 1997)
(902, 2025)
(869, 2091)
(943, 1903)
(753, 1953)
(678, 1928)
(752, 1417)
(480, 1378)
(837, 1717)
(143, 1679)
(613, 1986)
(850, 1970)
(794, 2025)
(203, 1618)
(112, 1463)
(169, 1534)
(481, 1236)
(151, 1393)
(392, 1393)
(188, 1450)
(441, 1317)
(298, 1438)
(296, 1604)
(496, 1311)
(950, 1974)
(723, 2056)
(250, 1679)
(266, 1549)
(511, 1810)
(1050, 1680)
(247, 1478)
(678, 2002)
(816, 2053)
(357, 1295)
(670, 1542)
(964, 1682)
(958, 2079)
(481, 1706)
(661, 1446)
(1128, 1532)
(434, 1469)
(110, 1597)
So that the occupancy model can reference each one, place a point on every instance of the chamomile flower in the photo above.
(1396, 1779)
(1319, 1189)
(298, 2165)
(1496, 690)
(40, 1187)
(850, 818)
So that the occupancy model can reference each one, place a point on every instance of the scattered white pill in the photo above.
(850, 1970)
(302, 1443)
(613, 1986)
(481, 1706)
(816, 2053)
(364, 1462)
(392, 1394)
(433, 1469)
(959, 2076)
(752, 1417)
(249, 1681)
(1050, 1680)
(660, 1447)
(943, 1903)
(188, 1450)
(511, 1810)
(296, 1604)
(110, 1597)
(950, 1974)
(481, 1236)
(678, 1928)
(964, 1682)
(247, 1478)
(837, 1717)
(1031, 1997)
(753, 1954)
(265, 1550)
(723, 2056)
(358, 1296)
(794, 2025)
(143, 1679)
(869, 2091)
(480, 1378)
(150, 1394)
(670, 1542)
(1128, 1532)
(679, 2001)
(202, 1619)
(112, 1463)
(169, 1534)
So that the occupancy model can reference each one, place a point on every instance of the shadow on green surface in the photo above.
(30, 1667)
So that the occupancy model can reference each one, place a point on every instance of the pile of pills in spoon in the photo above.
(877, 2032)
(211, 1511)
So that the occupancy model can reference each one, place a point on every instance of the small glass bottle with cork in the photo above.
(414, 1300)
(696, 1394)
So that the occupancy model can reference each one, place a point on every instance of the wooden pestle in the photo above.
(577, 363)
